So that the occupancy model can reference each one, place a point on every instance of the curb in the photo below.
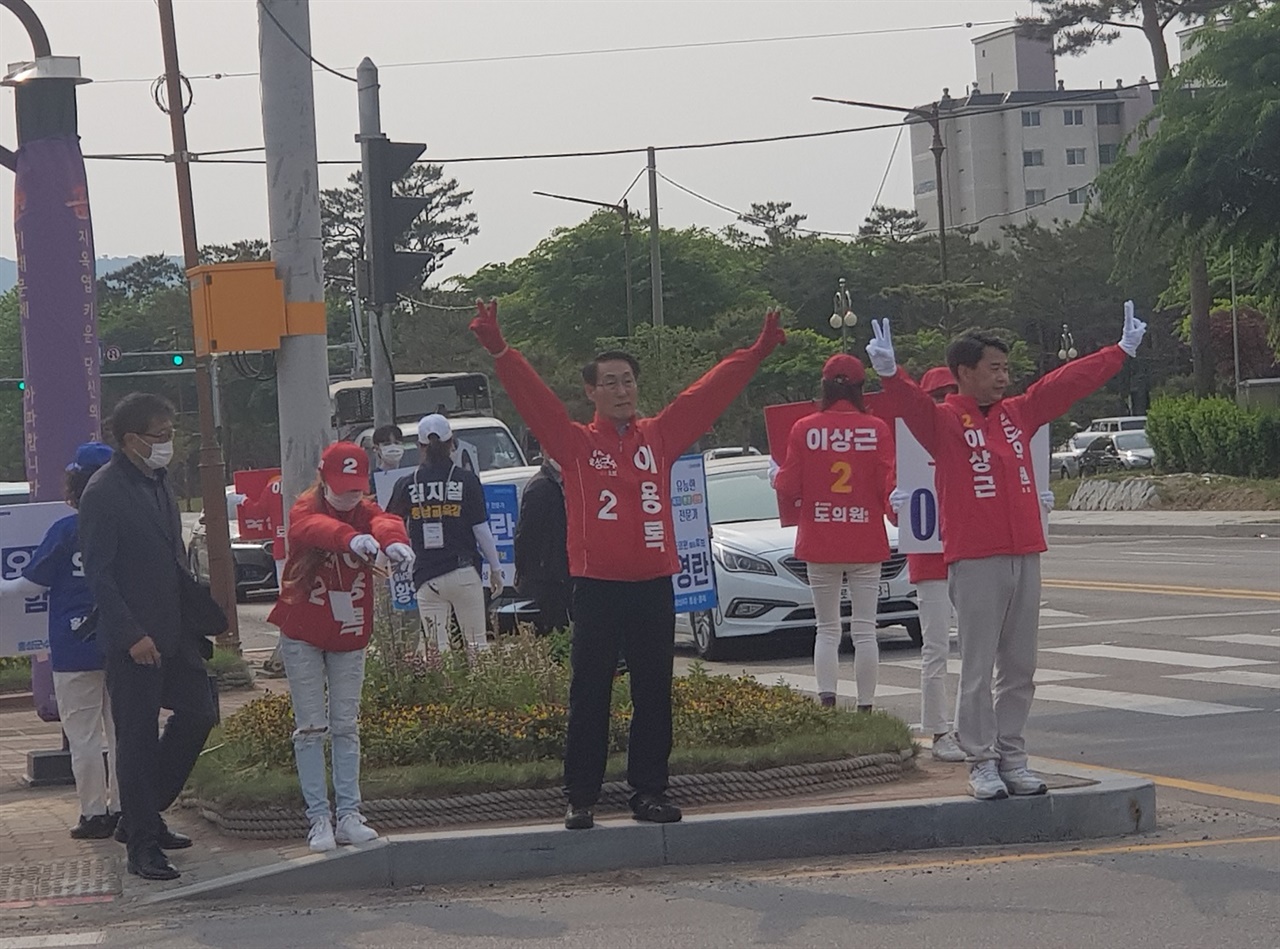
(1133, 529)
(1116, 804)
(17, 702)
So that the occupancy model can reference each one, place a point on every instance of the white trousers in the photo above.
(85, 711)
(825, 580)
(997, 602)
(935, 626)
(459, 590)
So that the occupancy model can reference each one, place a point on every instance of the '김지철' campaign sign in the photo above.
(694, 585)
(919, 527)
(24, 622)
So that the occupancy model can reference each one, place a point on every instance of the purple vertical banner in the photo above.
(62, 402)
(57, 299)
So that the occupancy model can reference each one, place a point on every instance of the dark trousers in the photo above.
(636, 619)
(552, 599)
(153, 767)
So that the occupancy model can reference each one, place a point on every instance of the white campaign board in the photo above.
(918, 523)
(24, 623)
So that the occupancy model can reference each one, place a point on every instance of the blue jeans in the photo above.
(308, 669)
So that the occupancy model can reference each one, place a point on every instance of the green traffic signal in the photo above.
(22, 386)
(178, 359)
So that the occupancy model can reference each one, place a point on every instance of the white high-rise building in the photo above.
(1020, 147)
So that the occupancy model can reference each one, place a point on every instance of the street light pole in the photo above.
(842, 315)
(625, 210)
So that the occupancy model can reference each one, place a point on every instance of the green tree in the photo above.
(891, 224)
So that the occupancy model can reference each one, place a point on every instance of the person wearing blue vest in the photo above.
(79, 665)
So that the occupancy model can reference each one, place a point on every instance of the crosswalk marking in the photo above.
(845, 687)
(1048, 613)
(53, 940)
(1258, 680)
(1243, 639)
(1135, 702)
(1042, 675)
(1167, 657)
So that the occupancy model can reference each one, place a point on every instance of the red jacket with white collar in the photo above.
(987, 498)
(840, 465)
(320, 564)
(617, 484)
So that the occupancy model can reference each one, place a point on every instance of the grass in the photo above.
(231, 669)
(223, 778)
(15, 678)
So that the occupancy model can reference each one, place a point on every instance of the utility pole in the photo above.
(222, 578)
(293, 212)
(1235, 324)
(384, 382)
(655, 253)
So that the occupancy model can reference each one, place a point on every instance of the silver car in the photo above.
(1065, 462)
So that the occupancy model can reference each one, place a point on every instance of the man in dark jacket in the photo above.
(542, 552)
(131, 539)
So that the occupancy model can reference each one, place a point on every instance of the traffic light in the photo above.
(178, 359)
(390, 216)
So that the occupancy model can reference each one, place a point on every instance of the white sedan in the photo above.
(762, 587)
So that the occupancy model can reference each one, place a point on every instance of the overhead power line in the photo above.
(744, 216)
(299, 47)
(564, 54)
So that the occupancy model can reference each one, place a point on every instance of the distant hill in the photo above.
(9, 268)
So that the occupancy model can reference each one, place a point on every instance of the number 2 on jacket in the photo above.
(608, 501)
(843, 472)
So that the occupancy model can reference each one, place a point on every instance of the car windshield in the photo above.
(741, 494)
(1085, 439)
(1132, 441)
(493, 448)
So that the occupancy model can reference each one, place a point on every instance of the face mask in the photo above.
(391, 454)
(161, 455)
(344, 502)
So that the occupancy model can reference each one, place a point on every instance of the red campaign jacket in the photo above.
(320, 562)
(926, 567)
(617, 484)
(840, 465)
(987, 498)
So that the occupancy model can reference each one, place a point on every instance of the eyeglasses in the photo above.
(164, 436)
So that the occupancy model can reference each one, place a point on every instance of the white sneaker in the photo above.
(353, 830)
(1023, 782)
(320, 838)
(985, 783)
(947, 748)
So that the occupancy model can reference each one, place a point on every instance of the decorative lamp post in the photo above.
(842, 315)
(1067, 345)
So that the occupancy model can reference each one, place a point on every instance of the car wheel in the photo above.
(915, 632)
(705, 641)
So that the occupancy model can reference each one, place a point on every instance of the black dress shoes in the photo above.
(153, 865)
(97, 827)
(167, 839)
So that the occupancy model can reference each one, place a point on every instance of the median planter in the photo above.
(455, 739)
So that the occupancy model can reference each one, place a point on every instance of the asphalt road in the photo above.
(1157, 655)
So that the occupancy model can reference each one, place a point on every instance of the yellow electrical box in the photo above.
(237, 307)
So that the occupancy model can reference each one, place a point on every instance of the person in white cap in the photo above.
(443, 507)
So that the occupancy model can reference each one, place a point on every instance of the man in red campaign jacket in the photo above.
(622, 554)
(992, 535)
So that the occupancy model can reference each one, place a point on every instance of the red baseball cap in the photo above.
(939, 377)
(344, 466)
(842, 364)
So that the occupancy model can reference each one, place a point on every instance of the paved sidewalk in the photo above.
(1178, 523)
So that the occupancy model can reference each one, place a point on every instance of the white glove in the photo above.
(1134, 330)
(401, 555)
(897, 498)
(880, 349)
(496, 585)
(1046, 501)
(773, 472)
(364, 546)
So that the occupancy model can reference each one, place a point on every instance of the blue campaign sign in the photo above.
(695, 584)
(502, 501)
(24, 622)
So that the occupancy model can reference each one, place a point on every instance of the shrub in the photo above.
(1214, 435)
(15, 673)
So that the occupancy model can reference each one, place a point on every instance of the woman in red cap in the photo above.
(929, 574)
(840, 467)
(325, 615)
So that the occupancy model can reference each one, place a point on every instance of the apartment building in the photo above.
(1019, 146)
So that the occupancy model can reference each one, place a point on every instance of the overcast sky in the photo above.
(570, 103)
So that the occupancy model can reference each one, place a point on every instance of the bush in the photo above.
(510, 704)
(15, 674)
(1214, 435)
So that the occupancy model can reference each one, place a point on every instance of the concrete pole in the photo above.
(293, 212)
(655, 253)
(1235, 323)
(378, 317)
